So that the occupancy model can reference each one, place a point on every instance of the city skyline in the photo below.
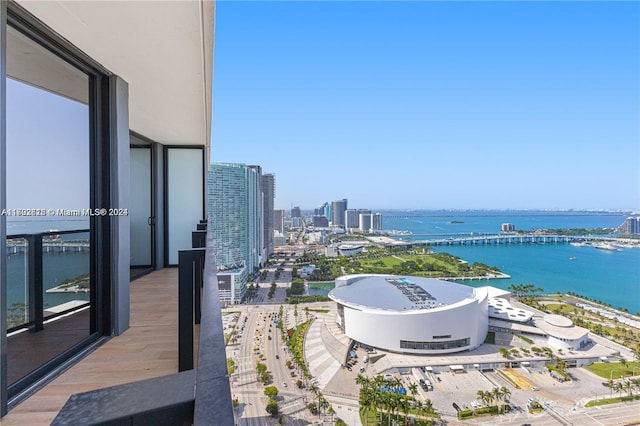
(429, 105)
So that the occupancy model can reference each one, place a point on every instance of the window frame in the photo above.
(101, 120)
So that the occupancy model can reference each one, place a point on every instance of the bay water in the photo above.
(612, 277)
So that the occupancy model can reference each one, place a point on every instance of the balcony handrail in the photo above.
(213, 393)
(202, 396)
(34, 250)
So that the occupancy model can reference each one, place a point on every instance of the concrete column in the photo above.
(120, 195)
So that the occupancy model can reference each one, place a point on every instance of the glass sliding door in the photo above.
(141, 209)
(184, 200)
(56, 274)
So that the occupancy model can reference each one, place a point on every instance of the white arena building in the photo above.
(411, 314)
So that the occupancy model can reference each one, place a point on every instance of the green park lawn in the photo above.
(614, 370)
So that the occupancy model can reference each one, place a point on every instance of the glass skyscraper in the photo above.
(238, 196)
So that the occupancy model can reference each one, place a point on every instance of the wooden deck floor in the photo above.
(147, 349)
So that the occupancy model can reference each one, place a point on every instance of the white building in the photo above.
(562, 333)
(365, 222)
(411, 314)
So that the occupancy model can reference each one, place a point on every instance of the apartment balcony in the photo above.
(149, 349)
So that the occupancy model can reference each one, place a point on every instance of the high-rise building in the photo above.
(236, 219)
(630, 226)
(376, 222)
(507, 227)
(269, 191)
(365, 222)
(319, 211)
(338, 209)
(278, 221)
(256, 254)
(352, 217)
(327, 211)
(295, 212)
(320, 221)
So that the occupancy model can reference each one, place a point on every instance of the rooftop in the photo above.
(401, 293)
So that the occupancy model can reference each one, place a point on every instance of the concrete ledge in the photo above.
(166, 400)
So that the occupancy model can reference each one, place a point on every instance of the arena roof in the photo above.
(401, 293)
(502, 309)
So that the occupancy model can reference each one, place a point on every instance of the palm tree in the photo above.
(611, 386)
(618, 388)
(404, 407)
(365, 402)
(362, 380)
(482, 396)
(623, 362)
(413, 388)
(496, 394)
(428, 406)
(392, 404)
(628, 386)
(506, 393)
(419, 407)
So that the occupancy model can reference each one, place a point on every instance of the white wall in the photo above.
(385, 329)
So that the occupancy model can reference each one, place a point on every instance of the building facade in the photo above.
(376, 222)
(365, 222)
(117, 146)
(278, 221)
(338, 209)
(411, 314)
(269, 194)
(236, 219)
(630, 226)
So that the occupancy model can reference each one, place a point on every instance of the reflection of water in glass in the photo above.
(56, 268)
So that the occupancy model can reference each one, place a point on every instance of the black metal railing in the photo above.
(200, 396)
(34, 246)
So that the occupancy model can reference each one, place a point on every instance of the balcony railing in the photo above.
(199, 396)
(28, 251)
(48, 301)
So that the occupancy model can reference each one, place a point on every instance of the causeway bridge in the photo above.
(504, 239)
(20, 245)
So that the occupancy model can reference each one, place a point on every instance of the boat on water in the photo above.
(573, 258)
(579, 244)
(606, 246)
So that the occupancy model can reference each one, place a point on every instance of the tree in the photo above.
(623, 363)
(506, 393)
(272, 407)
(482, 396)
(428, 406)
(413, 388)
(271, 391)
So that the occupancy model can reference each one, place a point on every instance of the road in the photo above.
(244, 382)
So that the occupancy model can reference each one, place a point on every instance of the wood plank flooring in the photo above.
(27, 351)
(147, 349)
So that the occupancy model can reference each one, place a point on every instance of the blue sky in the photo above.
(433, 104)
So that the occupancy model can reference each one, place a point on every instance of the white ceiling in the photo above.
(163, 49)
